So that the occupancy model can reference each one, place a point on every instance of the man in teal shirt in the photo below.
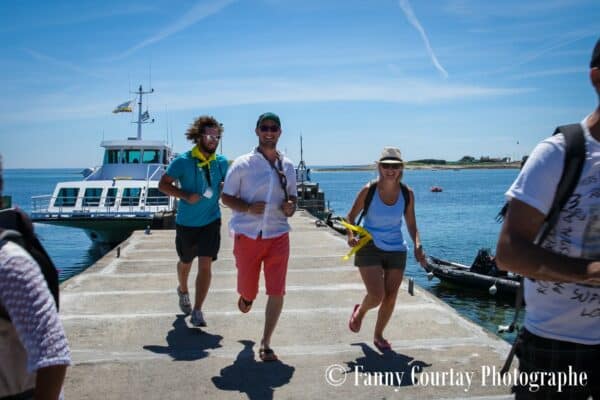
(199, 173)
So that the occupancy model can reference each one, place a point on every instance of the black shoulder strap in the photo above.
(368, 200)
(573, 165)
(406, 195)
(16, 220)
(371, 193)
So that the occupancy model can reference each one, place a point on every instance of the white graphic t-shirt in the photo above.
(564, 311)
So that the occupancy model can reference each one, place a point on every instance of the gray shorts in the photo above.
(370, 255)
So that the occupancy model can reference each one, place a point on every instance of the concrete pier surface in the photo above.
(130, 341)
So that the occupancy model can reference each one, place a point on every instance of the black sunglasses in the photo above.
(392, 166)
(267, 128)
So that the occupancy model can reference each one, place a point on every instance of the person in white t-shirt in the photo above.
(562, 285)
(260, 188)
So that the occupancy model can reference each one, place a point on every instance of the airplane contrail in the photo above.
(412, 18)
(197, 13)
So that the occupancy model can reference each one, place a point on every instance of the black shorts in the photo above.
(371, 255)
(198, 241)
(538, 355)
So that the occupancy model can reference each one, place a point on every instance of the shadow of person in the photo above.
(185, 343)
(393, 367)
(257, 379)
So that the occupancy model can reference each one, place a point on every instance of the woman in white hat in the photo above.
(385, 204)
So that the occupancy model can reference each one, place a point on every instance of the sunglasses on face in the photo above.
(216, 138)
(267, 128)
(392, 166)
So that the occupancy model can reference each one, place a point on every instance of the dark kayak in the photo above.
(462, 275)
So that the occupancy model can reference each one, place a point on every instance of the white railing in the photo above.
(45, 206)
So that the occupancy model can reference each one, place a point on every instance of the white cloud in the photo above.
(59, 63)
(232, 92)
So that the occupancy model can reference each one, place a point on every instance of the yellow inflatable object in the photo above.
(365, 237)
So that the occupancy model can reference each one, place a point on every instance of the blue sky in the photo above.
(439, 79)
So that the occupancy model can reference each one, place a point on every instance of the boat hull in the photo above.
(460, 275)
(111, 230)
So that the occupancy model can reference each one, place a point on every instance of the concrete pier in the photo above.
(130, 341)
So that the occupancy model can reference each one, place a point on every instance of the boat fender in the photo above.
(493, 289)
(429, 276)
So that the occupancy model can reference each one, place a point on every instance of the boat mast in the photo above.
(140, 121)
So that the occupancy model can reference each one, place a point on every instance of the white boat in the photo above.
(118, 197)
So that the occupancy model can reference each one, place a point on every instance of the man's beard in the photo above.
(268, 144)
(204, 149)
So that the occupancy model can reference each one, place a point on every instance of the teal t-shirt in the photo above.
(192, 179)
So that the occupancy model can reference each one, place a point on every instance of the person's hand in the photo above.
(593, 272)
(420, 256)
(288, 208)
(257, 208)
(353, 241)
(192, 198)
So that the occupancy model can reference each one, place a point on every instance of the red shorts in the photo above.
(250, 254)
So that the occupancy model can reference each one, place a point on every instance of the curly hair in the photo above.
(199, 126)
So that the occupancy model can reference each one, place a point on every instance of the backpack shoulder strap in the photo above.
(8, 235)
(573, 165)
(368, 200)
(405, 195)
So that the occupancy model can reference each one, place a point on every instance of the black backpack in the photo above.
(371, 193)
(573, 165)
(16, 227)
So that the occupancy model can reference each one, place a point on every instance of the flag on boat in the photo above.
(125, 107)
(145, 116)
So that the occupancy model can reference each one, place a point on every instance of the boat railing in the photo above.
(45, 206)
(312, 203)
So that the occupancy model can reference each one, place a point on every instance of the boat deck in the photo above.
(129, 340)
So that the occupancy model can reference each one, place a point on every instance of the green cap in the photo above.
(268, 116)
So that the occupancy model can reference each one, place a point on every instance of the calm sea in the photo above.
(453, 224)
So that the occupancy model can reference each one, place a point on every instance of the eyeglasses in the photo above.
(267, 128)
(392, 166)
(216, 138)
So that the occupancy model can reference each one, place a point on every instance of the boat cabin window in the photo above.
(151, 156)
(133, 156)
(111, 157)
(111, 197)
(92, 196)
(157, 198)
(131, 196)
(67, 197)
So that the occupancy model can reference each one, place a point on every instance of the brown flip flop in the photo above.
(267, 355)
(244, 305)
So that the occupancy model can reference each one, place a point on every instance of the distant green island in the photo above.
(433, 164)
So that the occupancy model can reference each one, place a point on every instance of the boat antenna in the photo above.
(301, 151)
(145, 117)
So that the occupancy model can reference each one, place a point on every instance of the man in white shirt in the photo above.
(562, 285)
(260, 188)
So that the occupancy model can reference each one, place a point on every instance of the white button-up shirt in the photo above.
(252, 179)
